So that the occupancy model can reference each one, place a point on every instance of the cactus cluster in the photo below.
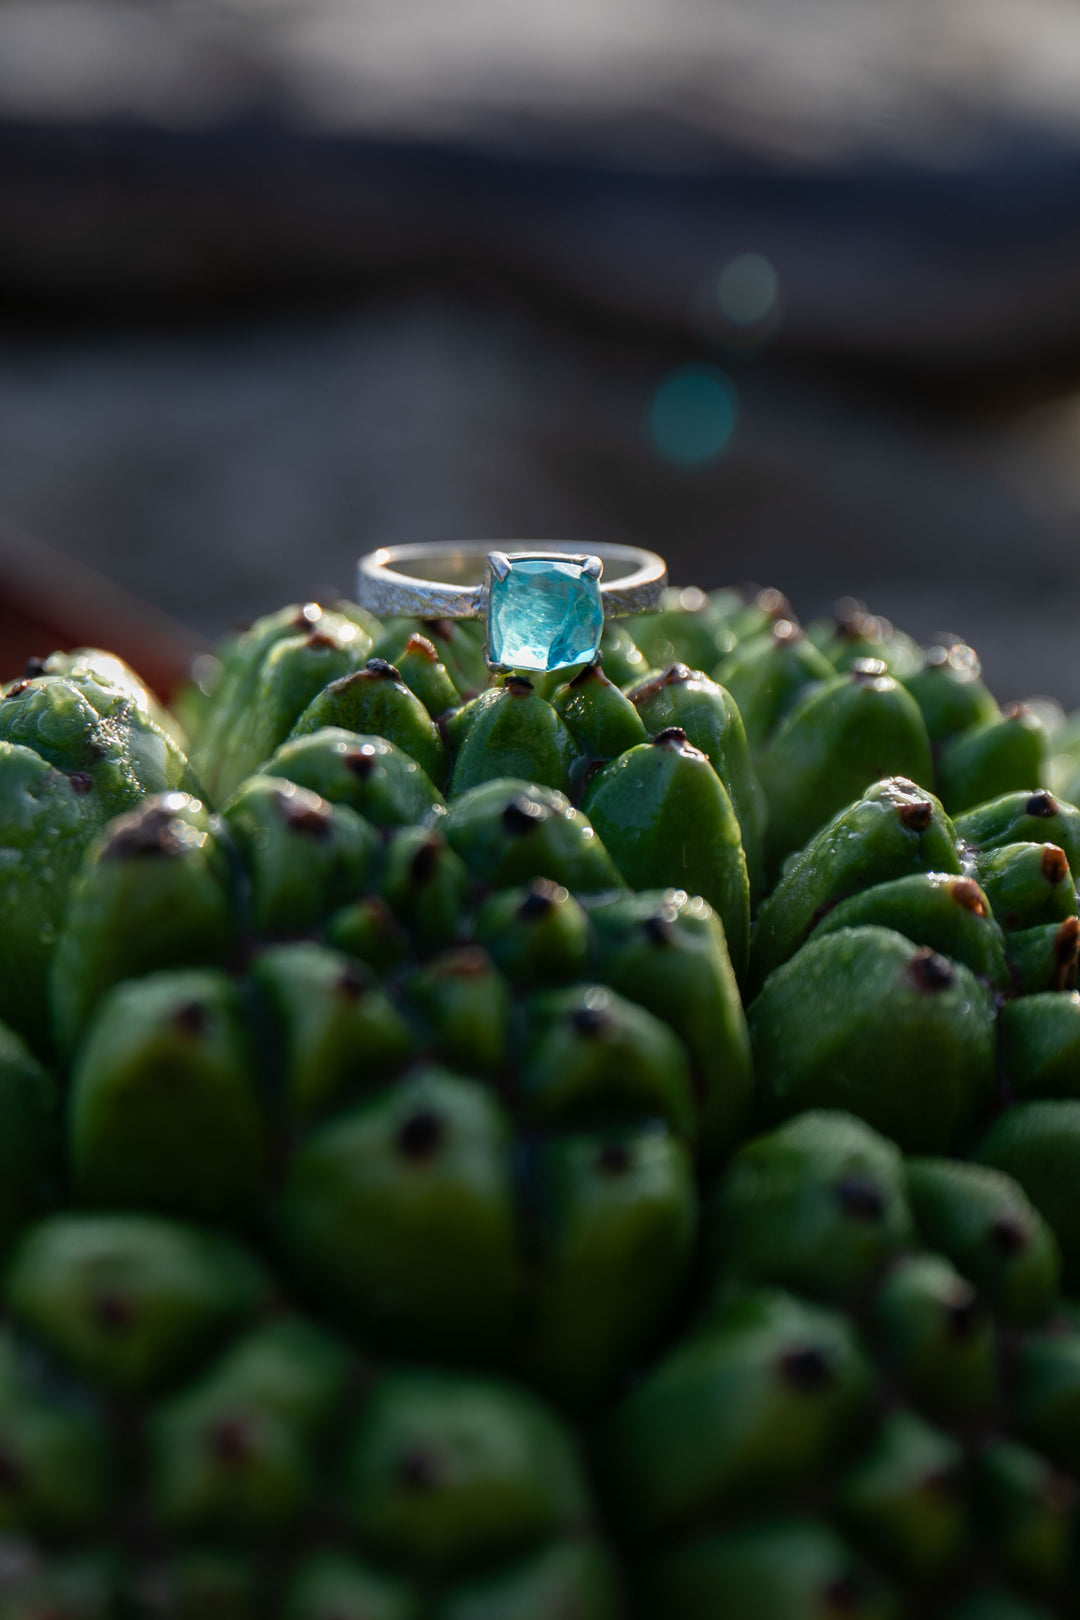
(603, 1146)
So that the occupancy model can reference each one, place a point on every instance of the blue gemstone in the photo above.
(545, 614)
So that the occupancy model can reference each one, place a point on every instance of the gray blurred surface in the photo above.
(223, 470)
(521, 213)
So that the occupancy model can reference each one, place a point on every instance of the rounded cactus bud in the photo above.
(130, 1301)
(510, 832)
(938, 1337)
(666, 819)
(950, 915)
(235, 1454)
(590, 1055)
(445, 1471)
(369, 774)
(291, 672)
(1027, 884)
(157, 892)
(687, 699)
(668, 952)
(950, 693)
(986, 1226)
(818, 1205)
(1040, 1045)
(838, 739)
(894, 830)
(164, 1113)
(905, 1499)
(864, 1020)
(424, 673)
(375, 701)
(339, 1034)
(600, 718)
(1038, 1145)
(767, 676)
(304, 856)
(1030, 1511)
(426, 885)
(465, 1002)
(758, 1401)
(1044, 958)
(1004, 755)
(400, 1215)
(511, 731)
(536, 936)
(1033, 816)
(613, 1229)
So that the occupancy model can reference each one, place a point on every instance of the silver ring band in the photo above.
(449, 580)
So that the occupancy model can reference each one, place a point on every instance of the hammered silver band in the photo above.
(448, 580)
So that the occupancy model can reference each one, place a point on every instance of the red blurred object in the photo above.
(49, 603)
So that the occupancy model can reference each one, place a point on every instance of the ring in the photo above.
(544, 609)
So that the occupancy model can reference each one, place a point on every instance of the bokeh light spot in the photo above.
(747, 289)
(693, 415)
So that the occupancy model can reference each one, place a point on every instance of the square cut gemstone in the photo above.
(546, 614)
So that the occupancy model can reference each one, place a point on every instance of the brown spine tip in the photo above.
(676, 675)
(423, 648)
(966, 892)
(445, 629)
(18, 689)
(591, 672)
(81, 781)
(309, 820)
(1055, 864)
(421, 1136)
(232, 1442)
(660, 929)
(1015, 711)
(523, 815)
(774, 603)
(320, 640)
(151, 832)
(360, 761)
(591, 1021)
(931, 973)
(191, 1018)
(963, 1314)
(1041, 804)
(419, 1471)
(114, 1313)
(614, 1159)
(860, 1198)
(310, 613)
(541, 900)
(382, 669)
(918, 816)
(868, 669)
(425, 862)
(1009, 1235)
(519, 686)
(351, 982)
(808, 1369)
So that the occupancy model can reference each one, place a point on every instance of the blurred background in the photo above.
(786, 289)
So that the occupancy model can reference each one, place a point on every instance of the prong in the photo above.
(592, 567)
(499, 563)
